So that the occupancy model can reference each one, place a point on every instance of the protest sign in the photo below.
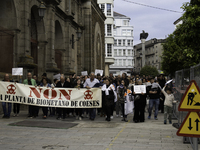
(57, 76)
(138, 89)
(84, 73)
(17, 71)
(47, 97)
(98, 71)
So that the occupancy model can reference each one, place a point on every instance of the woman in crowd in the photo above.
(121, 91)
(47, 85)
(78, 110)
(139, 103)
(118, 104)
(108, 96)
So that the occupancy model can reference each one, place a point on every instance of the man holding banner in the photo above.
(90, 83)
(33, 110)
(6, 113)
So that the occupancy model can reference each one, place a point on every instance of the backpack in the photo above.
(121, 95)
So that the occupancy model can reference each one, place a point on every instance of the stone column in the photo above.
(106, 69)
(143, 37)
(143, 52)
(51, 66)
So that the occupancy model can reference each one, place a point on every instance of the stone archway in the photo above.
(8, 22)
(59, 46)
(98, 48)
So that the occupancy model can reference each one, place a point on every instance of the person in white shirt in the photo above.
(90, 83)
(169, 100)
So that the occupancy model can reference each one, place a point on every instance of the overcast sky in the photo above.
(158, 23)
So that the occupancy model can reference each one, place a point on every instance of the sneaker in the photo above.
(165, 122)
(44, 117)
(125, 120)
(121, 116)
(111, 117)
(155, 118)
(80, 118)
(14, 115)
(117, 116)
(149, 117)
(170, 122)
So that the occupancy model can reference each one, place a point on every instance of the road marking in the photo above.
(111, 144)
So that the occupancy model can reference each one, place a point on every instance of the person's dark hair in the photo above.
(55, 80)
(44, 79)
(125, 75)
(44, 74)
(35, 75)
(169, 89)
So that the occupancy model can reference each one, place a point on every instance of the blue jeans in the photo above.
(92, 112)
(151, 103)
(6, 113)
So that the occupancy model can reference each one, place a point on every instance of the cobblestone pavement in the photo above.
(91, 135)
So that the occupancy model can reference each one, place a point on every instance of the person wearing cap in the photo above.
(153, 91)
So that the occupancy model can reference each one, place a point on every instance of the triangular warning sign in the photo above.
(191, 99)
(190, 126)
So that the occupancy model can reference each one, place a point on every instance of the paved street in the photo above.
(90, 135)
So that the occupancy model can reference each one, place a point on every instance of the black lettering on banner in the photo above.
(13, 99)
(72, 103)
(44, 102)
(30, 100)
(59, 103)
(24, 100)
(9, 98)
(97, 103)
(6, 97)
(20, 98)
(76, 103)
(56, 101)
(38, 101)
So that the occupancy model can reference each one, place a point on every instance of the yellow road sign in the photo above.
(190, 126)
(191, 99)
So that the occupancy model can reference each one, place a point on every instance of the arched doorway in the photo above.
(34, 39)
(98, 48)
(8, 22)
(59, 45)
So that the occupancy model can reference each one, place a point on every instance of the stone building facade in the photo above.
(51, 44)
(153, 53)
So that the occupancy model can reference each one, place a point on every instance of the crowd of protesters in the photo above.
(115, 89)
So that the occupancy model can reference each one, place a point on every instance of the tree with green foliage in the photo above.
(148, 70)
(182, 47)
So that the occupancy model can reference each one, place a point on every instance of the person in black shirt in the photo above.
(62, 84)
(154, 94)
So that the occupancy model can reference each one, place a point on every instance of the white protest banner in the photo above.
(84, 73)
(138, 89)
(57, 76)
(17, 71)
(98, 71)
(47, 97)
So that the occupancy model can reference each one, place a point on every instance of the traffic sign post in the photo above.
(190, 101)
